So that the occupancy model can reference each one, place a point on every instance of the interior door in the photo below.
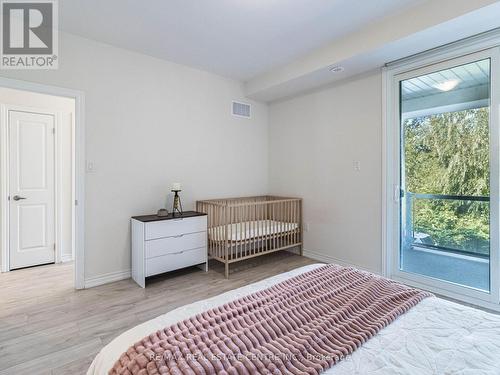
(31, 189)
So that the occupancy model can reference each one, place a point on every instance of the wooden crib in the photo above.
(242, 228)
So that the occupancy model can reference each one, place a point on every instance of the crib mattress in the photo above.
(250, 230)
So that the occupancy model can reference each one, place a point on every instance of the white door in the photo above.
(31, 189)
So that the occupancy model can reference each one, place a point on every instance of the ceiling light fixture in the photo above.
(447, 85)
(337, 69)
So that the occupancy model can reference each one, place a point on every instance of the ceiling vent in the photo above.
(241, 109)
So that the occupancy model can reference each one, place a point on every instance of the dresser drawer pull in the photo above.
(179, 252)
(178, 236)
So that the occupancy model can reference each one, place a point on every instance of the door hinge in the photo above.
(53, 130)
(54, 247)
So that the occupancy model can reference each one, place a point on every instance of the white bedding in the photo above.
(250, 229)
(434, 337)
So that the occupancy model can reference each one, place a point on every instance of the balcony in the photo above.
(447, 237)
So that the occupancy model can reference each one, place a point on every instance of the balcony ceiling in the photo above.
(470, 76)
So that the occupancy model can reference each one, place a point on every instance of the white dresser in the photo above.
(162, 244)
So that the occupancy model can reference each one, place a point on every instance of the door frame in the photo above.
(472, 49)
(78, 212)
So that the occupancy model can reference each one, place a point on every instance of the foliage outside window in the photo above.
(448, 154)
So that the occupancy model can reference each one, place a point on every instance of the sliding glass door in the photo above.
(446, 227)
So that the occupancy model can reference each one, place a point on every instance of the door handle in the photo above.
(18, 198)
(397, 193)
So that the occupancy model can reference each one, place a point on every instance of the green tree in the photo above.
(448, 154)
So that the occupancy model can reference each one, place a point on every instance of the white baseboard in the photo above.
(66, 258)
(329, 259)
(107, 278)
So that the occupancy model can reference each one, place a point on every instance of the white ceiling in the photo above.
(425, 26)
(233, 38)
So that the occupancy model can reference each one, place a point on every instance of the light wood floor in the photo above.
(46, 327)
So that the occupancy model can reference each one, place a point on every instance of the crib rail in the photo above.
(242, 228)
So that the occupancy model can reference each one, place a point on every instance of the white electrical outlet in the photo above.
(306, 227)
(356, 165)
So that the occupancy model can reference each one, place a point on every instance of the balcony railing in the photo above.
(450, 223)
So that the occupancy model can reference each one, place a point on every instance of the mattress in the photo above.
(250, 229)
(434, 337)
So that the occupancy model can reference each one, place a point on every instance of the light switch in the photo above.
(90, 167)
(356, 165)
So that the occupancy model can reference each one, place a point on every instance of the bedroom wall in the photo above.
(316, 142)
(150, 123)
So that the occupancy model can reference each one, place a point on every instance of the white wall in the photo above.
(150, 123)
(66, 108)
(314, 140)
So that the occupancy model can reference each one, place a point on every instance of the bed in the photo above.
(247, 227)
(434, 337)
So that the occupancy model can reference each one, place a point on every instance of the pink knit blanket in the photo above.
(303, 325)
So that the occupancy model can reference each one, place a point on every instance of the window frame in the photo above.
(443, 58)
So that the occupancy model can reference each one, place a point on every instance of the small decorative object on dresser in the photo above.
(162, 212)
(166, 243)
(177, 205)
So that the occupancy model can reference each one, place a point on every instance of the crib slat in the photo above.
(287, 225)
(265, 216)
(282, 221)
(259, 228)
(252, 229)
(256, 225)
(289, 232)
(236, 231)
(245, 232)
(290, 228)
(279, 219)
(221, 229)
(275, 211)
(230, 244)
(211, 213)
(256, 218)
(216, 224)
(277, 229)
(294, 221)
(241, 220)
(213, 210)
(272, 237)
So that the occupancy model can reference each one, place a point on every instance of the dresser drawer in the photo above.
(175, 261)
(169, 245)
(174, 227)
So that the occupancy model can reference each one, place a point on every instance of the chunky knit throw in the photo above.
(303, 325)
